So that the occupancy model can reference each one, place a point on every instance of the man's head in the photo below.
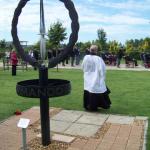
(94, 49)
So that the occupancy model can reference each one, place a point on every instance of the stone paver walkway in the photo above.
(84, 130)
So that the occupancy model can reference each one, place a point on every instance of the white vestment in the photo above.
(94, 74)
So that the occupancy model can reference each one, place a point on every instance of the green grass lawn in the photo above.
(130, 92)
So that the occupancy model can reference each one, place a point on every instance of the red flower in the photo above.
(17, 112)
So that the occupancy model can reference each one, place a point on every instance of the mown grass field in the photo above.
(130, 92)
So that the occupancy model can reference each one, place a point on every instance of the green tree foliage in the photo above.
(56, 35)
(3, 44)
(101, 41)
(146, 45)
(134, 47)
(36, 45)
(129, 46)
(83, 46)
(113, 46)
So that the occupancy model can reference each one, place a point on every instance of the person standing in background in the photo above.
(77, 55)
(72, 55)
(119, 56)
(14, 62)
(7, 56)
(36, 56)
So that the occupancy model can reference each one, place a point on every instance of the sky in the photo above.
(121, 19)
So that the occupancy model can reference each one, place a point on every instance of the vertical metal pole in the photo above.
(24, 139)
(42, 32)
(44, 106)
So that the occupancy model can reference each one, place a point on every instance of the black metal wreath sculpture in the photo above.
(72, 39)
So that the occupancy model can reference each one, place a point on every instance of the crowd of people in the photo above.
(74, 58)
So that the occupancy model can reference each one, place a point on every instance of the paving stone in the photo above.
(36, 107)
(126, 127)
(124, 133)
(78, 143)
(92, 144)
(120, 119)
(113, 130)
(133, 147)
(59, 126)
(118, 146)
(63, 138)
(141, 118)
(109, 138)
(71, 148)
(91, 119)
(82, 129)
(104, 146)
(135, 133)
(134, 141)
(121, 140)
(66, 115)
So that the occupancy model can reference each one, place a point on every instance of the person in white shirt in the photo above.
(95, 90)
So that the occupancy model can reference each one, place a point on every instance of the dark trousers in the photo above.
(77, 60)
(13, 70)
(118, 62)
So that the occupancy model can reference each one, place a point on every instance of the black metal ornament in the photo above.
(43, 87)
(72, 39)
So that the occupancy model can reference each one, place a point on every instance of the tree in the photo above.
(101, 41)
(83, 46)
(113, 46)
(146, 44)
(129, 46)
(2, 43)
(56, 35)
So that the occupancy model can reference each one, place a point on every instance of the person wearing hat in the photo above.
(96, 94)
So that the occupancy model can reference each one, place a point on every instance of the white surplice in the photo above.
(94, 74)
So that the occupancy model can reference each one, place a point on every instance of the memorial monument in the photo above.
(43, 87)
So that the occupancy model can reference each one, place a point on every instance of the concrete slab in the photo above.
(120, 119)
(82, 130)
(141, 118)
(67, 116)
(60, 137)
(63, 138)
(59, 126)
(96, 119)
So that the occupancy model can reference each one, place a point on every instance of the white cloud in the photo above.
(123, 21)
(129, 4)
(89, 16)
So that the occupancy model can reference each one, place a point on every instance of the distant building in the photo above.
(23, 43)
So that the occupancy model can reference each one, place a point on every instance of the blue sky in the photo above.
(121, 19)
